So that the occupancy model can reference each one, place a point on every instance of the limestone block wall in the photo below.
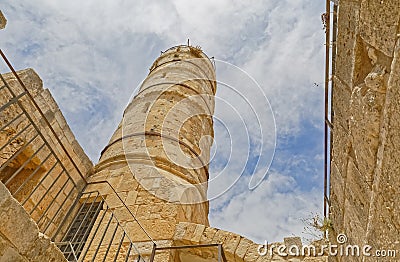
(365, 185)
(20, 238)
(45, 186)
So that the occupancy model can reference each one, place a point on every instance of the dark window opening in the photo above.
(75, 239)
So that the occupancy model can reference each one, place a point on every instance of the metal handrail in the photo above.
(83, 245)
(330, 68)
(69, 243)
(51, 173)
(127, 208)
(41, 113)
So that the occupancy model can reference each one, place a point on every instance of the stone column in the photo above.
(157, 159)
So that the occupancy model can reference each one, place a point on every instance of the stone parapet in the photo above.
(20, 239)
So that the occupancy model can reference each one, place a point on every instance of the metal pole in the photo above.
(327, 56)
(153, 252)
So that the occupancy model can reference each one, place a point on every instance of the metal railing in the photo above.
(44, 182)
(330, 67)
(96, 234)
(49, 184)
(85, 239)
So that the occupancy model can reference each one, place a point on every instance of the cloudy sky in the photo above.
(92, 55)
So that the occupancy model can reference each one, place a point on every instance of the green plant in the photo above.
(316, 227)
(195, 51)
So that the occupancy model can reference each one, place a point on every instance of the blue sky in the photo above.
(93, 56)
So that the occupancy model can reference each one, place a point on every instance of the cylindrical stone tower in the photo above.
(157, 159)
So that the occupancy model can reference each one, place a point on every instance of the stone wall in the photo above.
(366, 139)
(20, 239)
(33, 164)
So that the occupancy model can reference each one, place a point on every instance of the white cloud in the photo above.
(271, 212)
(92, 56)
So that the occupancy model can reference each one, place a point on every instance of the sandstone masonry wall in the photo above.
(365, 185)
(27, 160)
(20, 239)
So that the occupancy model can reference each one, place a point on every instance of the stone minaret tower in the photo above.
(157, 159)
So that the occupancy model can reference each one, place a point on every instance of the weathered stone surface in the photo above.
(28, 156)
(208, 235)
(3, 21)
(252, 253)
(8, 252)
(364, 177)
(379, 22)
(242, 248)
(341, 149)
(341, 107)
(293, 241)
(366, 108)
(24, 242)
(358, 193)
(315, 259)
(383, 225)
(348, 15)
